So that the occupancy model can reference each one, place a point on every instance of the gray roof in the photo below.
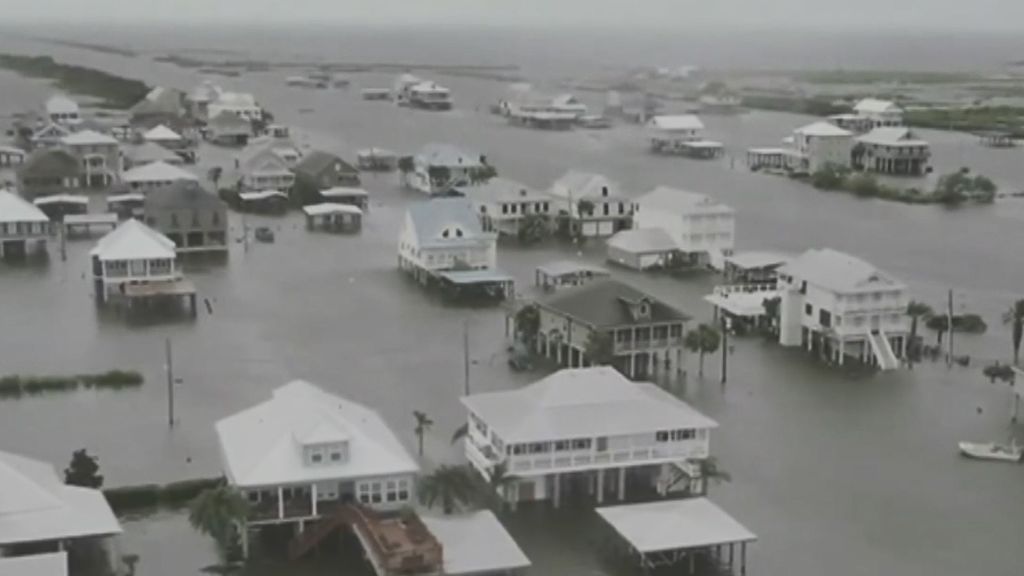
(431, 218)
(315, 162)
(435, 154)
(606, 303)
(182, 194)
(228, 120)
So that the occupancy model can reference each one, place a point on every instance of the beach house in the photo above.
(228, 129)
(63, 110)
(673, 227)
(260, 168)
(305, 454)
(164, 136)
(646, 334)
(821, 144)
(21, 222)
(839, 306)
(155, 175)
(148, 153)
(879, 113)
(893, 150)
(49, 171)
(319, 170)
(440, 168)
(681, 134)
(194, 219)
(48, 135)
(589, 205)
(588, 430)
(133, 254)
(504, 205)
(99, 156)
(48, 528)
(429, 95)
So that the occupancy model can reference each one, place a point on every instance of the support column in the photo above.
(1016, 408)
(732, 568)
(692, 555)
(244, 533)
(842, 350)
(743, 559)
(313, 498)
(557, 496)
(280, 503)
(622, 483)
(600, 486)
(632, 365)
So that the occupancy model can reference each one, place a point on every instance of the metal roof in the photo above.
(675, 525)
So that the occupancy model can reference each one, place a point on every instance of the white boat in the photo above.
(1011, 452)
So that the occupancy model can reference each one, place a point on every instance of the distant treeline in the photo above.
(113, 91)
(15, 386)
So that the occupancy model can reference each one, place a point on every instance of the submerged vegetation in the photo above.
(1009, 119)
(952, 189)
(14, 386)
(173, 495)
(112, 91)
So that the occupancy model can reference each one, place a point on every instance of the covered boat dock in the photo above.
(476, 544)
(264, 201)
(333, 217)
(83, 224)
(490, 282)
(127, 205)
(357, 197)
(566, 273)
(152, 293)
(695, 530)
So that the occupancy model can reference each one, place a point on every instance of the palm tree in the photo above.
(703, 339)
(533, 228)
(495, 490)
(940, 324)
(1014, 317)
(916, 310)
(527, 322)
(460, 433)
(451, 486)
(710, 471)
(771, 311)
(217, 512)
(423, 424)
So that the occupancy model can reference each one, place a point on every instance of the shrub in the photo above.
(829, 177)
(178, 494)
(133, 497)
(863, 185)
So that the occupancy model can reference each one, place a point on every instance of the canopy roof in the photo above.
(675, 525)
(475, 543)
(567, 267)
(88, 138)
(677, 122)
(331, 208)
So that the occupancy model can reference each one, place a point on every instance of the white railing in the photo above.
(726, 289)
(650, 454)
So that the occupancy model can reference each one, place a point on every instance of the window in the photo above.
(195, 218)
(808, 309)
(316, 457)
(216, 218)
(676, 331)
(458, 232)
(622, 207)
(581, 444)
(602, 444)
(335, 456)
(606, 209)
(445, 233)
(504, 208)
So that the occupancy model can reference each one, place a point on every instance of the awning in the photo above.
(675, 525)
(466, 277)
(568, 267)
(643, 241)
(476, 543)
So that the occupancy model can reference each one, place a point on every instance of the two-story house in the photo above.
(590, 205)
(588, 428)
(49, 171)
(260, 168)
(303, 453)
(440, 168)
(319, 170)
(194, 219)
(429, 95)
(668, 133)
(838, 305)
(21, 222)
(892, 150)
(132, 254)
(228, 129)
(63, 110)
(879, 113)
(99, 156)
(819, 145)
(241, 104)
(646, 334)
(154, 176)
(505, 204)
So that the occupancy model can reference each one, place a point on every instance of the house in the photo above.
(590, 204)
(57, 206)
(304, 453)
(11, 156)
(751, 280)
(198, 100)
(439, 168)
(260, 168)
(319, 170)
(560, 274)
(357, 197)
(333, 217)
(819, 145)
(429, 95)
(169, 139)
(49, 135)
(148, 153)
(377, 160)
(646, 334)
(21, 222)
(194, 219)
(503, 205)
(228, 129)
(701, 229)
(880, 113)
(63, 110)
(99, 156)
(529, 108)
(44, 522)
(400, 88)
(155, 175)
(442, 241)
(681, 134)
(263, 202)
(160, 106)
(49, 171)
(838, 305)
(893, 150)
(132, 254)
(241, 104)
(585, 429)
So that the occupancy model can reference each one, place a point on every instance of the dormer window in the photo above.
(604, 191)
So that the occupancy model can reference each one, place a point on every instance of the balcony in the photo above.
(650, 344)
(560, 462)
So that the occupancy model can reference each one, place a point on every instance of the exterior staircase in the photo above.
(306, 541)
(884, 354)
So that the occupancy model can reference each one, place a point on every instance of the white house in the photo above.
(504, 204)
(99, 155)
(881, 113)
(41, 518)
(262, 168)
(199, 98)
(821, 144)
(701, 229)
(594, 204)
(155, 175)
(838, 305)
(63, 110)
(588, 428)
(132, 254)
(438, 168)
(240, 104)
(400, 88)
(893, 150)
(429, 96)
(681, 134)
(304, 452)
(21, 222)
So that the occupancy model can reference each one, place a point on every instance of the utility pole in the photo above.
(949, 327)
(63, 242)
(170, 383)
(725, 350)
(465, 354)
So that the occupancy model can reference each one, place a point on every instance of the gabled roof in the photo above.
(160, 100)
(51, 163)
(262, 159)
(61, 104)
(88, 138)
(500, 189)
(678, 201)
(158, 172)
(891, 136)
(433, 218)
(133, 240)
(839, 272)
(435, 154)
(36, 506)
(676, 122)
(314, 163)
(14, 208)
(50, 129)
(161, 133)
(148, 152)
(262, 445)
(823, 129)
(875, 106)
(577, 185)
(182, 194)
(643, 241)
(606, 303)
(583, 403)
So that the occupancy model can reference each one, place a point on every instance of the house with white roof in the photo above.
(63, 110)
(148, 153)
(503, 204)
(681, 134)
(821, 144)
(155, 175)
(41, 519)
(261, 168)
(240, 104)
(439, 168)
(228, 129)
(49, 171)
(429, 95)
(892, 150)
(591, 205)
(49, 135)
(880, 113)
(304, 452)
(700, 231)
(21, 222)
(840, 306)
(588, 428)
(165, 137)
(198, 100)
(99, 155)
(400, 88)
(132, 254)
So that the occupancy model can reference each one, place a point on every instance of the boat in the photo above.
(1011, 452)
(265, 235)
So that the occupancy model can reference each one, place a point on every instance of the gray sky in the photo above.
(832, 14)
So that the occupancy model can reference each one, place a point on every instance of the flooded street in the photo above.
(839, 474)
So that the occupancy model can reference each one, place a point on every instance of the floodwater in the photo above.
(838, 473)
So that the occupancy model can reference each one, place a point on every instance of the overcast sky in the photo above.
(832, 14)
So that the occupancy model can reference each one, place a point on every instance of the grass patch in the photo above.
(146, 496)
(883, 77)
(113, 91)
(1008, 119)
(814, 106)
(14, 386)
